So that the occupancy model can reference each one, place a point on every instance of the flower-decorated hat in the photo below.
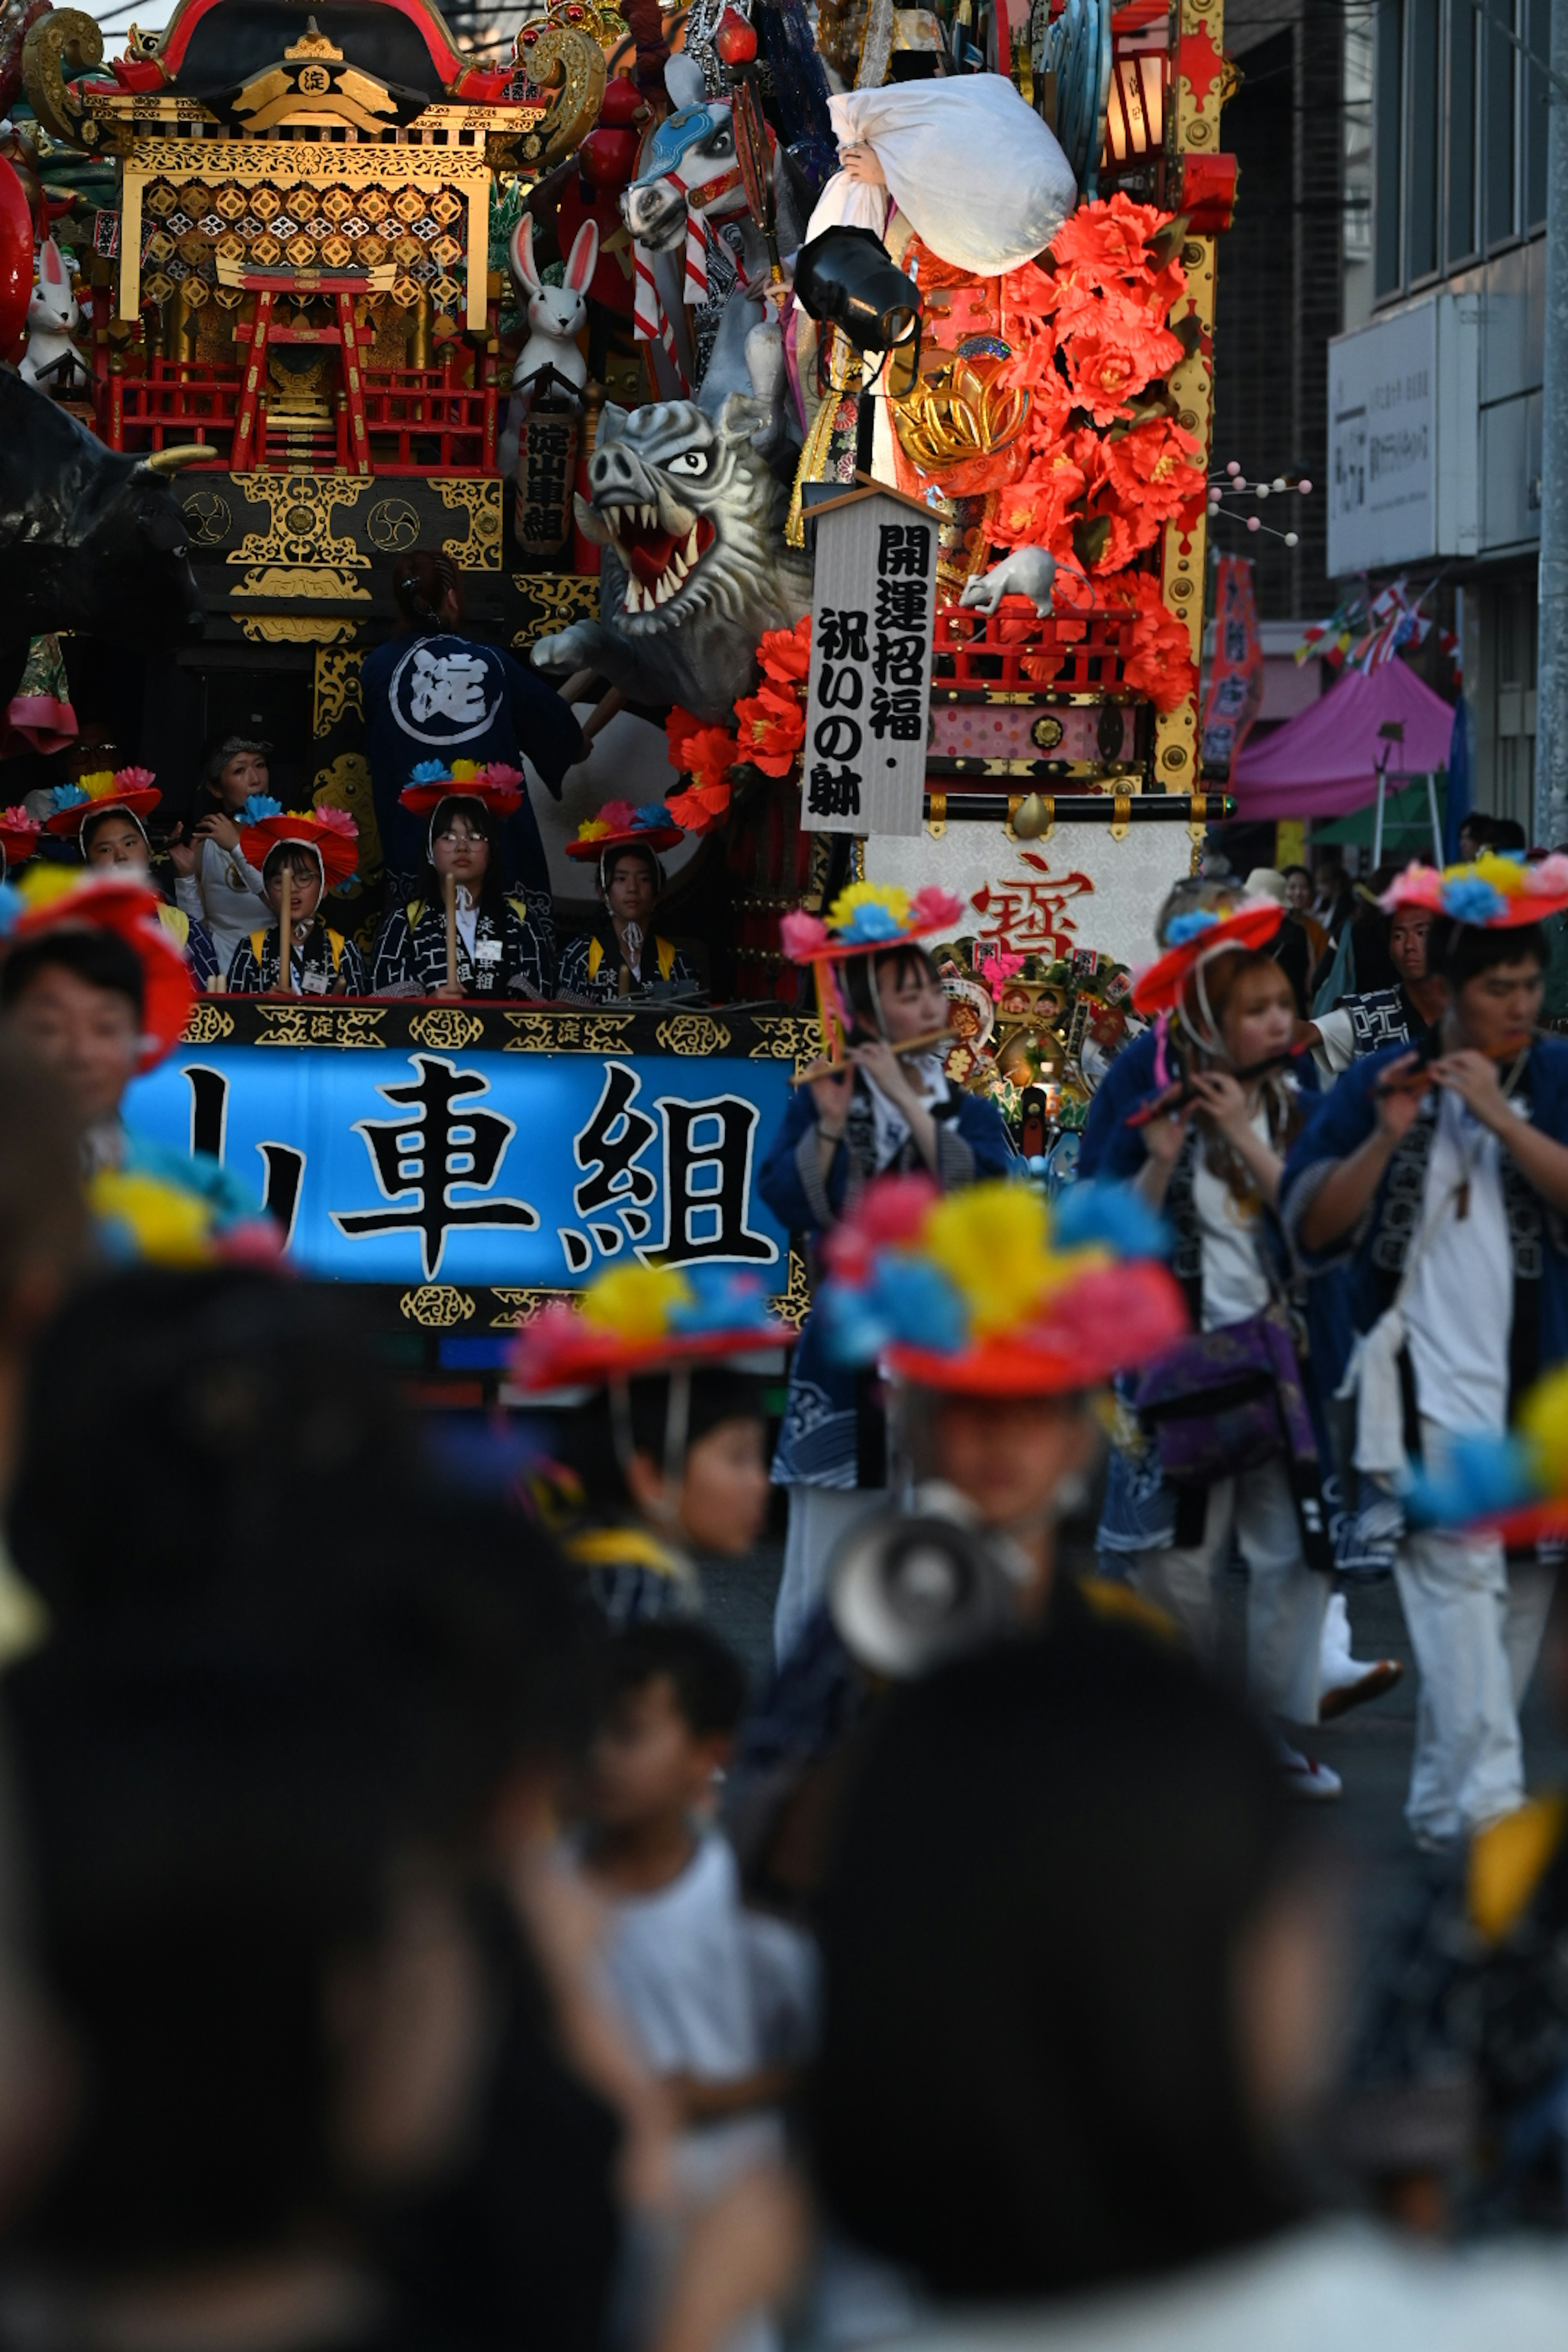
(1193, 939)
(1514, 1486)
(865, 919)
(131, 789)
(619, 825)
(18, 836)
(59, 897)
(332, 833)
(499, 787)
(646, 1319)
(147, 1220)
(974, 1292)
(1495, 892)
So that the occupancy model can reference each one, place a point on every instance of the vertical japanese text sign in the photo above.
(873, 606)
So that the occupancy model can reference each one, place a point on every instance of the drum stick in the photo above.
(286, 929)
(449, 887)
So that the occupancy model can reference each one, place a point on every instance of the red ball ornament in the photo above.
(736, 38)
(622, 102)
(608, 156)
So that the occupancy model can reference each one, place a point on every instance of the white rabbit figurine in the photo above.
(555, 318)
(556, 314)
(51, 357)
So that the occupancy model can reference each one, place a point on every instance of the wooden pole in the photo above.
(450, 886)
(286, 929)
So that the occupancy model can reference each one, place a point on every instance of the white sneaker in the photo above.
(1306, 1777)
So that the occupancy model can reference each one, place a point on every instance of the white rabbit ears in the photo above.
(583, 258)
(582, 262)
(523, 267)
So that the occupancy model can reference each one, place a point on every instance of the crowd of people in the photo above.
(421, 1926)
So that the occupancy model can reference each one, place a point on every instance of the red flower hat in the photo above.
(330, 833)
(1158, 988)
(638, 1319)
(131, 789)
(498, 787)
(619, 825)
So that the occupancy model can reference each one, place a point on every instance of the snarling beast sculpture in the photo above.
(694, 565)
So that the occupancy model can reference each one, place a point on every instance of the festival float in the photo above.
(817, 400)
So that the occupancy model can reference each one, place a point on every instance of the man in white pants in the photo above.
(1444, 1187)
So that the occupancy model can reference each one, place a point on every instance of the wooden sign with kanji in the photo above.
(873, 606)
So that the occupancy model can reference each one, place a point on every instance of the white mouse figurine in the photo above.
(556, 314)
(51, 358)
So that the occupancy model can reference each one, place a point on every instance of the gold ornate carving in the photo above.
(294, 629)
(300, 532)
(208, 1024)
(787, 1037)
(520, 1307)
(568, 1033)
(437, 1305)
(328, 585)
(569, 63)
(793, 1304)
(481, 549)
(66, 39)
(344, 784)
(692, 1033)
(558, 602)
(1181, 552)
(322, 1025)
(445, 1029)
(338, 694)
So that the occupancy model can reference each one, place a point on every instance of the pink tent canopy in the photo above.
(1323, 763)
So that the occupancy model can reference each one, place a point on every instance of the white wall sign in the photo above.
(1403, 437)
(1080, 889)
(873, 606)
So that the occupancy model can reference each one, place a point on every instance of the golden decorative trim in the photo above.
(522, 1305)
(344, 784)
(567, 61)
(293, 629)
(67, 39)
(568, 1033)
(209, 1025)
(788, 1038)
(480, 501)
(299, 538)
(793, 1304)
(559, 599)
(329, 585)
(322, 1024)
(338, 694)
(445, 1029)
(437, 1305)
(692, 1033)
(1183, 552)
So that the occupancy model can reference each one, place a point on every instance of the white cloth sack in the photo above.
(975, 171)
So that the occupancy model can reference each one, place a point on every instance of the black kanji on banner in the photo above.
(707, 1179)
(440, 1147)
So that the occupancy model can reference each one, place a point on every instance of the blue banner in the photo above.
(422, 1164)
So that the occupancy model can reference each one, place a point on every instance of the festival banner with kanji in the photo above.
(873, 606)
(409, 1145)
(1079, 887)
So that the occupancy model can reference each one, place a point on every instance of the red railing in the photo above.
(1012, 650)
(419, 421)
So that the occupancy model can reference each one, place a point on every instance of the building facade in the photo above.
(1434, 390)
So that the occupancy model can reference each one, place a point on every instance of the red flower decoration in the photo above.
(700, 807)
(784, 655)
(1160, 664)
(1106, 367)
(1110, 236)
(1157, 467)
(772, 728)
(705, 753)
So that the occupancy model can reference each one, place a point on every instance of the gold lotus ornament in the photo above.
(959, 413)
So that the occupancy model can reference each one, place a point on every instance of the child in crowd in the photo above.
(884, 1107)
(667, 1457)
(312, 851)
(216, 881)
(501, 944)
(103, 813)
(718, 2001)
(623, 956)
